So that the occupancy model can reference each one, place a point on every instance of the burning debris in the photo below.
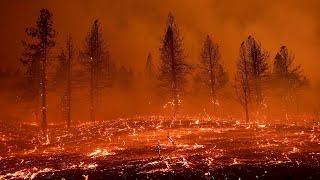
(100, 152)
(206, 145)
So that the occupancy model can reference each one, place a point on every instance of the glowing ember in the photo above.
(100, 152)
(143, 146)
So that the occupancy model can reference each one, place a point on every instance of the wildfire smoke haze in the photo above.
(159, 89)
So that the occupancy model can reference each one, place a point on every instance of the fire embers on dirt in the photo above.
(161, 147)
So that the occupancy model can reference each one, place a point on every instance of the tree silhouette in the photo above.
(213, 74)
(288, 78)
(252, 74)
(258, 68)
(65, 72)
(173, 68)
(94, 56)
(286, 71)
(42, 40)
(242, 80)
(150, 69)
(150, 75)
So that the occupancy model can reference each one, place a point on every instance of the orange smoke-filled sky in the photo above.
(132, 28)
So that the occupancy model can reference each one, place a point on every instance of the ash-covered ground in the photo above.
(161, 148)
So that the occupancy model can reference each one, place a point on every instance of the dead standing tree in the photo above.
(94, 57)
(173, 68)
(65, 70)
(42, 40)
(242, 80)
(252, 73)
(212, 72)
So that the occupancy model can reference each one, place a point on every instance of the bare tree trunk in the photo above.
(37, 108)
(175, 103)
(174, 79)
(92, 103)
(247, 112)
(213, 83)
(69, 84)
(44, 90)
(246, 93)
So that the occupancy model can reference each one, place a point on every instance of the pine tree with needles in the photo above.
(173, 67)
(41, 42)
(287, 77)
(259, 69)
(95, 56)
(285, 71)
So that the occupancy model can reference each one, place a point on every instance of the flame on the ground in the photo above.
(100, 152)
(156, 144)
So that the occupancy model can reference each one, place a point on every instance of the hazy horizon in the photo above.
(132, 29)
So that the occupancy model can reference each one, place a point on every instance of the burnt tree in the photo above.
(212, 72)
(149, 78)
(149, 69)
(173, 68)
(286, 72)
(242, 80)
(288, 77)
(94, 56)
(258, 69)
(41, 41)
(65, 76)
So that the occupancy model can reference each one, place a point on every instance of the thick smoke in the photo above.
(132, 29)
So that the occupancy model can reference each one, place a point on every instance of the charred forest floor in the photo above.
(161, 148)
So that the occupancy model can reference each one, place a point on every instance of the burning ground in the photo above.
(159, 147)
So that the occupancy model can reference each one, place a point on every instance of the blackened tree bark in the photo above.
(242, 81)
(42, 39)
(259, 69)
(65, 77)
(95, 56)
(173, 68)
(213, 74)
(287, 78)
